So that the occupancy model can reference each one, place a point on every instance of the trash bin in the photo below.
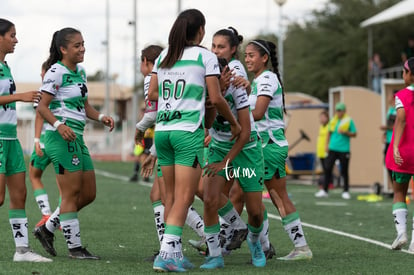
(303, 161)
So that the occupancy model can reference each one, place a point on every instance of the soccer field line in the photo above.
(341, 233)
(313, 226)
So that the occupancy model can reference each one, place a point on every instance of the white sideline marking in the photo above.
(111, 175)
(326, 203)
(317, 227)
(341, 233)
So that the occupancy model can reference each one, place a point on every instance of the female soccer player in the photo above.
(400, 155)
(38, 163)
(267, 104)
(225, 45)
(65, 92)
(227, 159)
(183, 72)
(12, 166)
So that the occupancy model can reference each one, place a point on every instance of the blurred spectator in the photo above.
(375, 66)
(341, 130)
(321, 152)
(408, 50)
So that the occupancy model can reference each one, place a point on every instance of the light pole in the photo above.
(280, 38)
(133, 23)
(107, 83)
(107, 61)
(178, 6)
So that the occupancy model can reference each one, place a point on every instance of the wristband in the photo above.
(57, 123)
(101, 116)
(36, 140)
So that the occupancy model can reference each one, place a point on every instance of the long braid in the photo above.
(275, 64)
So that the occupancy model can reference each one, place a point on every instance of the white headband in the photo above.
(261, 46)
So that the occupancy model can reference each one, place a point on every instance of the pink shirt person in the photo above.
(406, 145)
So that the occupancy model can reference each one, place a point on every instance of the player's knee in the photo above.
(211, 201)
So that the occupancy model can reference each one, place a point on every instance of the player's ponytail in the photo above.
(60, 39)
(182, 34)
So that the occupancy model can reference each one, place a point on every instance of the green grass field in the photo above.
(119, 227)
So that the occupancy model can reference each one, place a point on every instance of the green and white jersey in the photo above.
(237, 68)
(182, 89)
(70, 94)
(237, 99)
(272, 125)
(8, 117)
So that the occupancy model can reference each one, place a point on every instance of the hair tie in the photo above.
(261, 46)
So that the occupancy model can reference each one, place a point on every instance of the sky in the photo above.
(36, 21)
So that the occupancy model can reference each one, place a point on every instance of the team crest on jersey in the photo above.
(75, 160)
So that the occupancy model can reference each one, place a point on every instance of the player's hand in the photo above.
(139, 136)
(225, 78)
(108, 122)
(240, 82)
(397, 157)
(33, 96)
(211, 170)
(148, 166)
(66, 132)
(38, 150)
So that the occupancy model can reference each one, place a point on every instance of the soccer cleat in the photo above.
(81, 253)
(400, 241)
(46, 238)
(213, 262)
(200, 245)
(270, 252)
(43, 220)
(185, 263)
(299, 253)
(258, 256)
(168, 265)
(30, 256)
(346, 196)
(239, 236)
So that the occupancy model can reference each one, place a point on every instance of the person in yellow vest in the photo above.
(321, 152)
(341, 130)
